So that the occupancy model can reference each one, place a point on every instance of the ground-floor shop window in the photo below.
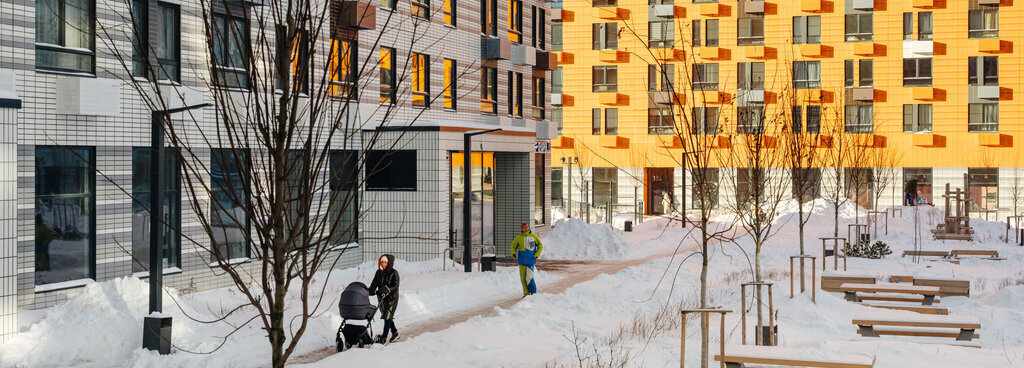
(142, 189)
(65, 222)
(229, 193)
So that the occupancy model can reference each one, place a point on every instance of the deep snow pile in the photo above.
(573, 239)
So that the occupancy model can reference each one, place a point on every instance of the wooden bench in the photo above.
(921, 325)
(902, 298)
(737, 355)
(831, 281)
(851, 290)
(947, 287)
(992, 255)
(922, 309)
(926, 253)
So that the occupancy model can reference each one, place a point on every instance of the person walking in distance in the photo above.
(385, 286)
(526, 248)
(910, 192)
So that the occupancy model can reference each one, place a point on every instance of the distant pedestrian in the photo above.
(910, 192)
(526, 249)
(385, 286)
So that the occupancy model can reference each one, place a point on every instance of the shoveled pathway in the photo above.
(575, 272)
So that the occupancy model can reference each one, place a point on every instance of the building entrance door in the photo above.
(658, 190)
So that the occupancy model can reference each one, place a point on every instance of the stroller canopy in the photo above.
(355, 302)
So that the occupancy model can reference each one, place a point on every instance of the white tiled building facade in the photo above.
(95, 112)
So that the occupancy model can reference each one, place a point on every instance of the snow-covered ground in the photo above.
(628, 316)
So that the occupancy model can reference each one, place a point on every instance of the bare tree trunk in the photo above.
(705, 333)
(801, 224)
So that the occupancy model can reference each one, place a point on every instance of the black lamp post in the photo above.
(156, 331)
(467, 162)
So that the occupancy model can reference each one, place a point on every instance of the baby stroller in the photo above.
(355, 305)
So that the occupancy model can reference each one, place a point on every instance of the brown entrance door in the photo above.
(658, 196)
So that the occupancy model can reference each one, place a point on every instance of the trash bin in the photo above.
(767, 337)
(629, 226)
(156, 334)
(487, 262)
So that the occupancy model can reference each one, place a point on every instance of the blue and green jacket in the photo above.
(526, 247)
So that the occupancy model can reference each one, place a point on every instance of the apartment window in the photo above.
(293, 65)
(296, 177)
(448, 8)
(806, 74)
(917, 118)
(807, 29)
(605, 36)
(917, 72)
(66, 35)
(556, 187)
(343, 69)
(388, 79)
(797, 116)
(606, 180)
(983, 117)
(705, 188)
(710, 38)
(450, 95)
(750, 120)
(344, 202)
(142, 189)
(983, 70)
(611, 121)
(538, 98)
(388, 4)
(556, 118)
(666, 75)
(660, 34)
(556, 80)
(515, 21)
(705, 77)
(231, 50)
(606, 78)
(229, 193)
(420, 80)
(908, 26)
(812, 123)
(983, 23)
(556, 36)
(749, 185)
(542, 27)
(489, 90)
(515, 94)
(858, 183)
(595, 121)
(533, 26)
(421, 8)
(806, 183)
(599, 3)
(859, 119)
(751, 76)
(924, 25)
(65, 214)
(488, 17)
(705, 120)
(140, 37)
(867, 72)
(858, 27)
(983, 189)
(924, 181)
(750, 31)
(660, 121)
(388, 170)
(848, 77)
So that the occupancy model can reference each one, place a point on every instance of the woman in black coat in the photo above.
(385, 286)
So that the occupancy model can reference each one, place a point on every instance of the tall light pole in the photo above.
(570, 160)
(467, 162)
(156, 331)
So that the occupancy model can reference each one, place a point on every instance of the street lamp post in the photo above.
(570, 160)
(156, 331)
(467, 162)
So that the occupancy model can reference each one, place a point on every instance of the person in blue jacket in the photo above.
(526, 248)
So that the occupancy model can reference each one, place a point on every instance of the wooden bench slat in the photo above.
(913, 323)
(890, 288)
(790, 362)
(921, 333)
(893, 298)
(922, 309)
(749, 354)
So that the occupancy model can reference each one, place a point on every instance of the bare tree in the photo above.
(271, 168)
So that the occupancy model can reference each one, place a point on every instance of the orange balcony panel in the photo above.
(924, 93)
(995, 140)
(610, 56)
(565, 57)
(608, 98)
(868, 140)
(669, 141)
(993, 45)
(609, 13)
(924, 3)
(812, 95)
(754, 52)
(613, 141)
(668, 54)
(712, 53)
(711, 9)
(812, 6)
(718, 141)
(924, 140)
(812, 50)
(562, 142)
(714, 97)
(864, 48)
(823, 141)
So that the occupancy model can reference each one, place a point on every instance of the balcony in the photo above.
(712, 53)
(812, 6)
(989, 2)
(88, 96)
(665, 98)
(755, 52)
(927, 140)
(563, 142)
(863, 94)
(917, 49)
(609, 98)
(546, 60)
(753, 7)
(495, 48)
(610, 13)
(718, 141)
(812, 95)
(565, 57)
(357, 15)
(864, 4)
(812, 50)
(556, 99)
(866, 48)
(988, 92)
(712, 9)
(714, 97)
(668, 54)
(995, 140)
(924, 93)
(924, 3)
(669, 141)
(524, 55)
(613, 141)
(994, 46)
(663, 11)
(557, 15)
(611, 56)
(751, 96)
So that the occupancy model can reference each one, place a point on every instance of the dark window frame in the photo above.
(381, 175)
